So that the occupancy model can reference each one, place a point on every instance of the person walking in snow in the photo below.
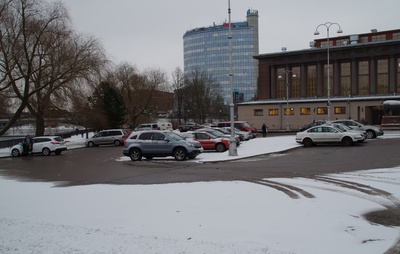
(27, 144)
(264, 130)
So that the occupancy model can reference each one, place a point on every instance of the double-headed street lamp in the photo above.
(328, 25)
(287, 95)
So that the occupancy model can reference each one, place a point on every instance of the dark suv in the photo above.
(160, 144)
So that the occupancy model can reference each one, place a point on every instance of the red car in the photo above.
(210, 142)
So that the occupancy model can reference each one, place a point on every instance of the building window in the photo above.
(312, 81)
(281, 87)
(363, 77)
(322, 111)
(398, 75)
(296, 84)
(345, 79)
(330, 79)
(305, 111)
(396, 36)
(381, 37)
(383, 77)
(289, 111)
(258, 112)
(324, 44)
(273, 112)
(340, 110)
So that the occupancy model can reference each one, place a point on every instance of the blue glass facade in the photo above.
(208, 49)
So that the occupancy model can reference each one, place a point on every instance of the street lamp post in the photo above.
(232, 140)
(287, 94)
(328, 25)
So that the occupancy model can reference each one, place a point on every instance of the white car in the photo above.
(246, 135)
(327, 134)
(41, 144)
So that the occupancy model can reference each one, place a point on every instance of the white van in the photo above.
(165, 126)
(147, 126)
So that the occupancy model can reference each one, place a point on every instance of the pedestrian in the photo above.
(27, 144)
(264, 129)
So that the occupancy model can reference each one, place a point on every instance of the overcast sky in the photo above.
(148, 33)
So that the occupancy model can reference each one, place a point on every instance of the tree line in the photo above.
(49, 71)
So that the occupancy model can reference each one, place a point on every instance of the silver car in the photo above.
(372, 131)
(108, 137)
(157, 143)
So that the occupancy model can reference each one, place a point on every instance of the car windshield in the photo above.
(174, 136)
(216, 133)
(340, 127)
(223, 131)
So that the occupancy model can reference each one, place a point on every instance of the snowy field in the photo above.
(204, 217)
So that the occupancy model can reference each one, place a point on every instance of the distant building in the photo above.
(364, 72)
(207, 48)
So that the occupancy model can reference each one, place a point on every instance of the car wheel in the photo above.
(180, 154)
(180, 129)
(117, 142)
(371, 134)
(46, 151)
(57, 152)
(220, 147)
(307, 142)
(15, 153)
(347, 141)
(90, 144)
(135, 154)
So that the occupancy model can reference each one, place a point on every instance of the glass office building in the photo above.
(207, 48)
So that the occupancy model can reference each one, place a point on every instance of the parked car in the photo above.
(108, 137)
(327, 134)
(372, 131)
(165, 125)
(147, 126)
(155, 143)
(220, 134)
(347, 128)
(244, 135)
(312, 124)
(41, 144)
(209, 141)
(189, 127)
(241, 125)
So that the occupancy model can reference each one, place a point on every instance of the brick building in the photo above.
(364, 71)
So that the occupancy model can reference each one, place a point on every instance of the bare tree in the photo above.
(199, 95)
(139, 90)
(41, 56)
(178, 83)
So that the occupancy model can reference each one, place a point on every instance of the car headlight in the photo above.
(190, 144)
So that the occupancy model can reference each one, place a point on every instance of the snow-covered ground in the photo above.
(204, 217)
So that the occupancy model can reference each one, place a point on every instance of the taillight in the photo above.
(54, 143)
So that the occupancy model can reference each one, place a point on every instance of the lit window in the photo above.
(305, 111)
(289, 111)
(340, 110)
(273, 112)
(322, 111)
